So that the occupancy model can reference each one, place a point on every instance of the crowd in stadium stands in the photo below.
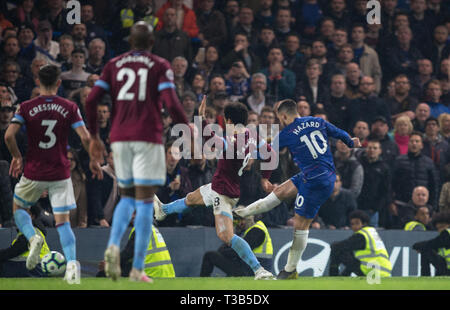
(387, 83)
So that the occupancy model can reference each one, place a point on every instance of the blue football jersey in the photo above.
(307, 140)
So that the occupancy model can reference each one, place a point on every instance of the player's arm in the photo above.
(173, 105)
(342, 135)
(16, 166)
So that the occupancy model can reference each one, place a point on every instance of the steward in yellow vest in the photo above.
(227, 260)
(421, 220)
(437, 250)
(363, 252)
(13, 259)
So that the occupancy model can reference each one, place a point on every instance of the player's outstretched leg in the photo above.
(162, 210)
(121, 219)
(143, 227)
(25, 225)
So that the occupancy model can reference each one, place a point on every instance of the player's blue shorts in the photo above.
(312, 192)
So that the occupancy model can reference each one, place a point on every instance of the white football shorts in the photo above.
(222, 205)
(60, 193)
(138, 163)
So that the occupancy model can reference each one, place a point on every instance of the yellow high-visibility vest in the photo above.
(265, 250)
(44, 250)
(158, 263)
(374, 253)
(413, 224)
(445, 253)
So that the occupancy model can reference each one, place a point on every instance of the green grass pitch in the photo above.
(244, 283)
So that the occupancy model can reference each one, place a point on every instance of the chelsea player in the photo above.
(307, 140)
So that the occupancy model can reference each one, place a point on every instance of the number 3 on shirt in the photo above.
(50, 124)
(312, 144)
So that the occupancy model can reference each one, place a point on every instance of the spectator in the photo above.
(267, 40)
(402, 57)
(96, 54)
(237, 81)
(435, 251)
(76, 77)
(180, 66)
(444, 196)
(265, 16)
(216, 84)
(281, 81)
(177, 183)
(365, 56)
(57, 15)
(335, 211)
(421, 220)
(361, 131)
(25, 12)
(337, 105)
(423, 76)
(45, 47)
(26, 37)
(368, 106)
(10, 52)
(252, 118)
(435, 146)
(315, 91)
(319, 51)
(414, 169)
(207, 62)
(198, 86)
(339, 38)
(245, 25)
(266, 118)
(440, 48)
(374, 198)
(6, 190)
(282, 24)
(293, 58)
(189, 101)
(242, 52)
(379, 131)
(434, 93)
(231, 14)
(326, 30)
(11, 75)
(79, 35)
(303, 107)
(104, 122)
(403, 127)
(422, 22)
(211, 24)
(405, 212)
(93, 29)
(78, 216)
(308, 18)
(257, 99)
(444, 125)
(402, 103)
(185, 17)
(66, 47)
(345, 55)
(170, 41)
(353, 77)
(349, 168)
(422, 114)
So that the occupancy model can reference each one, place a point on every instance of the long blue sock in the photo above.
(121, 219)
(245, 252)
(143, 230)
(23, 222)
(177, 206)
(67, 239)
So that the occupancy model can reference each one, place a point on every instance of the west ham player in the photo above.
(48, 119)
(307, 140)
(224, 190)
(138, 83)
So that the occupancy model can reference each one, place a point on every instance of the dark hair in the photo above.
(288, 106)
(78, 51)
(141, 36)
(359, 214)
(49, 75)
(236, 112)
(431, 119)
(441, 217)
(416, 133)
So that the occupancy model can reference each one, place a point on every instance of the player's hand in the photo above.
(15, 169)
(267, 186)
(356, 142)
(202, 107)
(96, 169)
(97, 151)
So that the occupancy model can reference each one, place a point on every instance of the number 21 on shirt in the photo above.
(124, 94)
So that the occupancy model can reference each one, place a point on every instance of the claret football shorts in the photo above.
(60, 193)
(138, 163)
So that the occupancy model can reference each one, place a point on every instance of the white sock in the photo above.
(295, 252)
(261, 205)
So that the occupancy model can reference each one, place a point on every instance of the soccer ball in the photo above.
(53, 264)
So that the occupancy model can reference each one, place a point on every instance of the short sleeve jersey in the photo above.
(48, 120)
(134, 81)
